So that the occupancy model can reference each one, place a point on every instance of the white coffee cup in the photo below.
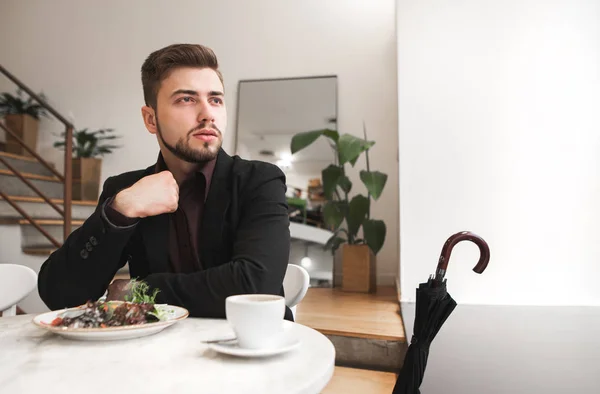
(256, 319)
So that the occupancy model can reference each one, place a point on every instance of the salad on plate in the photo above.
(139, 308)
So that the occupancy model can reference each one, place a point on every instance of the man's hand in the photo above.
(118, 289)
(150, 196)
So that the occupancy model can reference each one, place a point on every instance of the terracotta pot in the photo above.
(26, 127)
(86, 178)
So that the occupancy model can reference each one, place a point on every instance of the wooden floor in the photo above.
(334, 312)
(360, 381)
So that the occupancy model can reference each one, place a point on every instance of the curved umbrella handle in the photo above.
(447, 249)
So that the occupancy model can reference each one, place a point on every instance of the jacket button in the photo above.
(84, 254)
(89, 246)
(93, 241)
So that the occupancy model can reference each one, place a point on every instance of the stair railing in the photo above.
(65, 178)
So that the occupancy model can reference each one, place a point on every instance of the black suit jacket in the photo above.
(244, 245)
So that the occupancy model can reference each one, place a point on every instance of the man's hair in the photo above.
(160, 63)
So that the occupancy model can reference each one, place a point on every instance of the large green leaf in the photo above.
(345, 184)
(334, 135)
(304, 139)
(374, 181)
(331, 176)
(359, 206)
(374, 231)
(350, 148)
(333, 214)
(334, 242)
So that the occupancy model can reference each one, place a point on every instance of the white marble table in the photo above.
(173, 361)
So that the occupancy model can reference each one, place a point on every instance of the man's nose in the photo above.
(206, 113)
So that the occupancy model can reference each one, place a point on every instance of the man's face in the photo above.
(191, 116)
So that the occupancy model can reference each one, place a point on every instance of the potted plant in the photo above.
(357, 254)
(22, 116)
(87, 146)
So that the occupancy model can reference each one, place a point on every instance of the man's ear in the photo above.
(149, 116)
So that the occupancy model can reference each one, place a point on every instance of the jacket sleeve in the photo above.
(83, 267)
(259, 258)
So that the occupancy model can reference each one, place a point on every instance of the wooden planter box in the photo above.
(86, 178)
(26, 127)
(355, 269)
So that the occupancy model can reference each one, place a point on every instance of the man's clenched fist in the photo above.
(150, 196)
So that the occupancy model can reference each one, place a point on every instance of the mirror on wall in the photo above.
(269, 113)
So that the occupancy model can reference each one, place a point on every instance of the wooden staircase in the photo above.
(33, 242)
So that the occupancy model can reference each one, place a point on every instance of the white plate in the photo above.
(172, 315)
(233, 349)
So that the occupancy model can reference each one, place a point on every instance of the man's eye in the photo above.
(186, 99)
(217, 100)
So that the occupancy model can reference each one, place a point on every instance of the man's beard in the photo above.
(184, 151)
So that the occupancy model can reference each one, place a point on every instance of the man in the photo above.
(199, 225)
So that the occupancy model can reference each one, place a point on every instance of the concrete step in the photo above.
(37, 208)
(31, 238)
(366, 329)
(360, 381)
(10, 184)
(24, 164)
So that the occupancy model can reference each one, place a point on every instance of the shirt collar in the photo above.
(207, 169)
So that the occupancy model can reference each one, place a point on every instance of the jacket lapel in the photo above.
(215, 209)
(155, 235)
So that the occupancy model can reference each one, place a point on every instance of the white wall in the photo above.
(499, 133)
(86, 57)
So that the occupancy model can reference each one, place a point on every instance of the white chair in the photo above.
(295, 285)
(16, 282)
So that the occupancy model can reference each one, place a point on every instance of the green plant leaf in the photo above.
(331, 176)
(333, 214)
(345, 184)
(358, 208)
(89, 143)
(21, 104)
(374, 181)
(304, 139)
(350, 148)
(334, 242)
(332, 134)
(374, 231)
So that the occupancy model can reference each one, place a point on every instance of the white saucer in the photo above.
(233, 349)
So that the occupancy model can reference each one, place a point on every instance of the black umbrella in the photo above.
(433, 307)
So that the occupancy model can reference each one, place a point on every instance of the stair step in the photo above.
(10, 184)
(51, 222)
(41, 222)
(358, 315)
(28, 175)
(32, 238)
(39, 251)
(25, 164)
(54, 200)
(366, 329)
(360, 381)
(37, 208)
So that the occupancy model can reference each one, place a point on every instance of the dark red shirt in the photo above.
(184, 223)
